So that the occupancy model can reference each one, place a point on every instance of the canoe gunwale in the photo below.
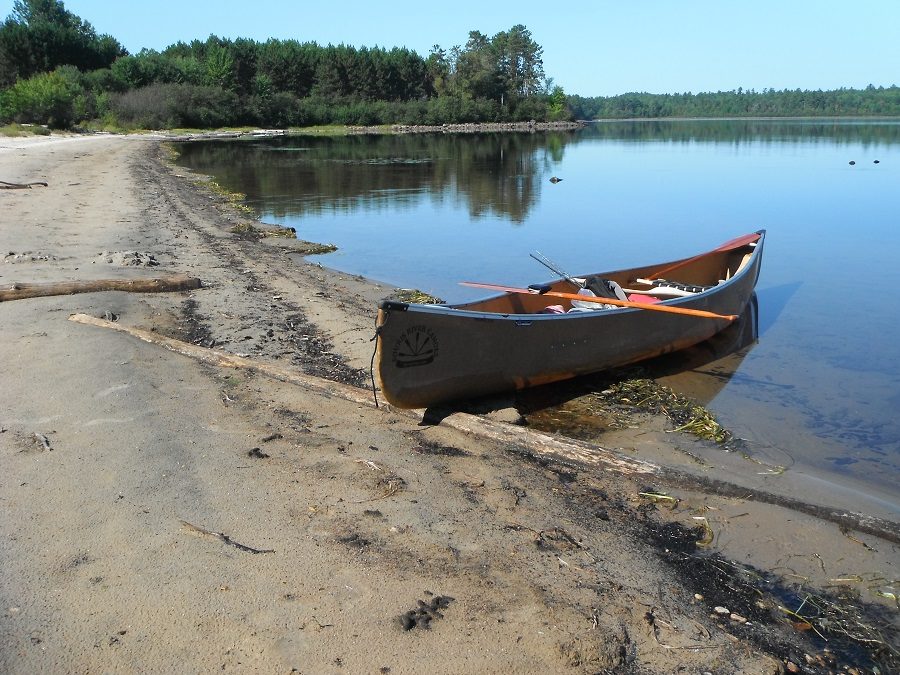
(459, 309)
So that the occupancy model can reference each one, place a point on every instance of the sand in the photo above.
(160, 514)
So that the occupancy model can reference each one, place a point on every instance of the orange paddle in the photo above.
(606, 301)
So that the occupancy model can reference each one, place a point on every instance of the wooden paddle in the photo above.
(605, 301)
(737, 242)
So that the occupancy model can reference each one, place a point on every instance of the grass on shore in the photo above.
(414, 295)
(14, 130)
(257, 231)
(236, 200)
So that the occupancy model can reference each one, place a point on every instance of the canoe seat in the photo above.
(664, 288)
(679, 286)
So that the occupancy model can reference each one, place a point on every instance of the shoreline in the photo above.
(821, 492)
(509, 532)
(880, 517)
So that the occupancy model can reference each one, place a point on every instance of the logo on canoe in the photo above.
(417, 346)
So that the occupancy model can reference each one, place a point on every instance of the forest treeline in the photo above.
(56, 70)
(871, 101)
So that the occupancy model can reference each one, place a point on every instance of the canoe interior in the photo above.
(708, 270)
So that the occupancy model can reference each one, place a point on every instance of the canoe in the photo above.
(429, 354)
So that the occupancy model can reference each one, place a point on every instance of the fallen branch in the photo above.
(224, 538)
(175, 282)
(20, 186)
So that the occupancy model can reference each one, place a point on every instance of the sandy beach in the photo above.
(164, 512)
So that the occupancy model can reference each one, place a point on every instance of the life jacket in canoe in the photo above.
(599, 287)
(604, 288)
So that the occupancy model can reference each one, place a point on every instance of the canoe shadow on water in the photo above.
(774, 300)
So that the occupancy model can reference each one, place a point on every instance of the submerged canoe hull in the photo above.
(433, 354)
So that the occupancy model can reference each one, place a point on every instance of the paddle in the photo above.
(553, 267)
(737, 242)
(605, 301)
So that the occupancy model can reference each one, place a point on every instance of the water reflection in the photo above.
(294, 176)
(493, 174)
(739, 131)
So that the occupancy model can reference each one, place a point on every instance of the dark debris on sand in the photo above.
(815, 632)
(424, 613)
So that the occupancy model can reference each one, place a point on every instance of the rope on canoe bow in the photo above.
(372, 361)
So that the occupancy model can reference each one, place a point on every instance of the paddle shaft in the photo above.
(727, 246)
(553, 267)
(606, 301)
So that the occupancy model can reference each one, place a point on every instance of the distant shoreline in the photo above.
(762, 118)
(484, 127)
(470, 128)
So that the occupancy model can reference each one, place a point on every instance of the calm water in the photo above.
(820, 391)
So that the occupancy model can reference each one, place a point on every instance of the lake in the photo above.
(818, 392)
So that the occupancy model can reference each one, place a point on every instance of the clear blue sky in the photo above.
(599, 47)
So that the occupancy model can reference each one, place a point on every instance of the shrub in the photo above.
(443, 110)
(312, 112)
(161, 106)
(277, 110)
(204, 107)
(532, 108)
(56, 99)
(103, 80)
(146, 108)
(23, 130)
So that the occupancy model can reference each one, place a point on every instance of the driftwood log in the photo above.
(519, 439)
(176, 282)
